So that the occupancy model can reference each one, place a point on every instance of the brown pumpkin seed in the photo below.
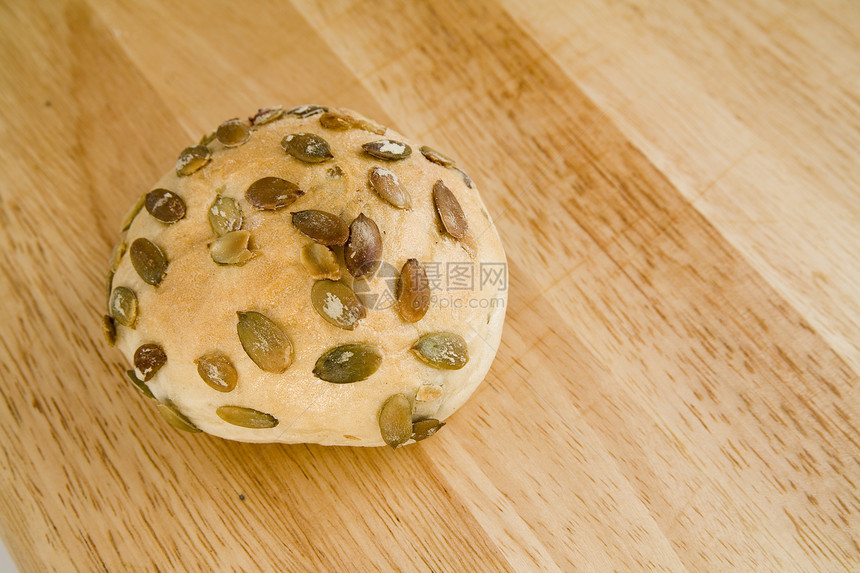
(116, 255)
(450, 213)
(306, 111)
(413, 291)
(436, 157)
(246, 417)
(307, 147)
(233, 132)
(139, 384)
(395, 420)
(423, 429)
(232, 248)
(337, 121)
(371, 126)
(225, 215)
(164, 205)
(148, 359)
(109, 330)
(320, 262)
(363, 250)
(128, 219)
(264, 341)
(388, 186)
(192, 159)
(444, 350)
(148, 260)
(348, 363)
(123, 306)
(217, 371)
(387, 149)
(322, 227)
(272, 193)
(266, 115)
(337, 304)
(176, 418)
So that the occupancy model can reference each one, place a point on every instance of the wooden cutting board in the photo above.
(678, 193)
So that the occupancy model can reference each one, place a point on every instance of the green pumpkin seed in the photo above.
(233, 132)
(348, 363)
(449, 210)
(266, 115)
(423, 429)
(413, 291)
(148, 260)
(337, 121)
(116, 255)
(192, 159)
(164, 205)
(362, 253)
(225, 215)
(123, 306)
(232, 248)
(128, 219)
(388, 186)
(246, 417)
(206, 138)
(395, 420)
(306, 111)
(387, 149)
(176, 418)
(109, 330)
(322, 227)
(337, 304)
(307, 147)
(444, 350)
(272, 193)
(217, 371)
(264, 341)
(320, 262)
(148, 360)
(436, 157)
(139, 384)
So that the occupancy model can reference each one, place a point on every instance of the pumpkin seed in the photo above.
(387, 149)
(413, 291)
(266, 115)
(164, 205)
(116, 255)
(436, 157)
(109, 330)
(444, 350)
(264, 341)
(423, 429)
(148, 260)
(348, 363)
(428, 399)
(128, 219)
(322, 227)
(363, 250)
(225, 215)
(139, 384)
(307, 147)
(176, 418)
(207, 138)
(320, 262)
(388, 186)
(123, 306)
(428, 393)
(337, 121)
(148, 359)
(335, 172)
(246, 417)
(450, 213)
(337, 304)
(306, 111)
(395, 420)
(233, 132)
(192, 159)
(217, 371)
(466, 179)
(232, 248)
(272, 193)
(371, 126)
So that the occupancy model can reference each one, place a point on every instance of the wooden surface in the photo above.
(678, 193)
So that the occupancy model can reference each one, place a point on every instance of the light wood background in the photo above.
(679, 193)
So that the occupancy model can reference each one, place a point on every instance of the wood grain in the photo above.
(677, 384)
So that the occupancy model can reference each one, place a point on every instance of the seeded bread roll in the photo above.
(308, 276)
